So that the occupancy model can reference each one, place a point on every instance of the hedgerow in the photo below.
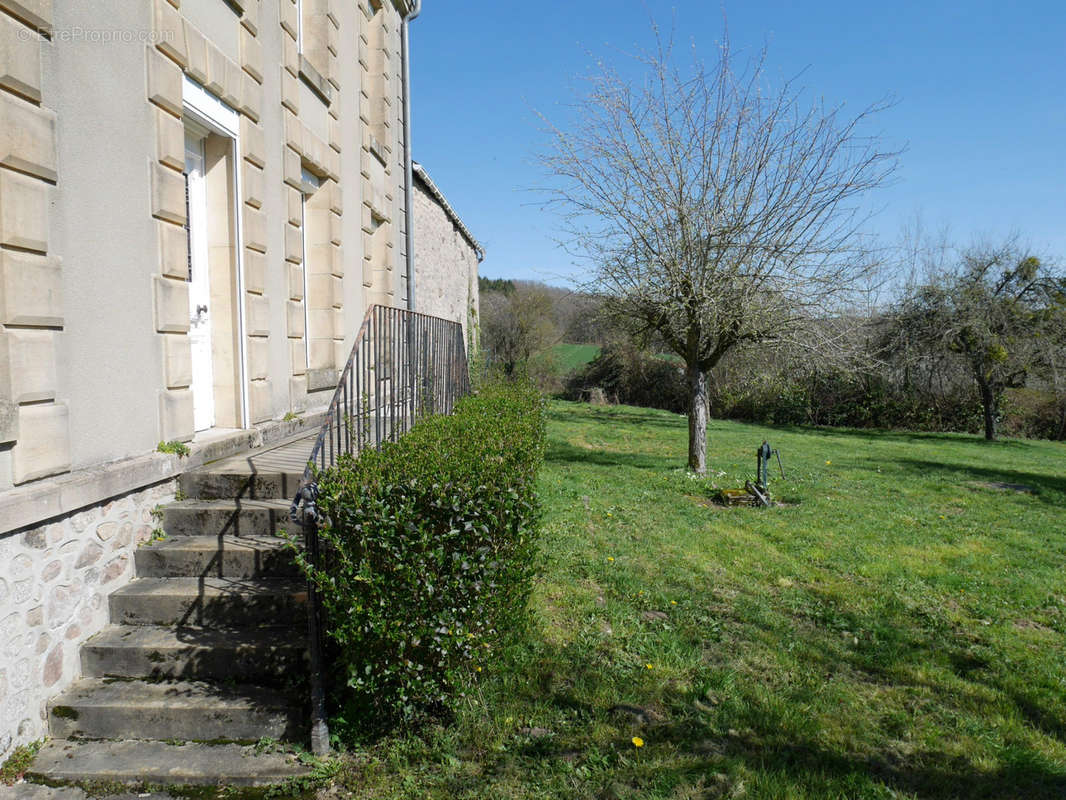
(429, 551)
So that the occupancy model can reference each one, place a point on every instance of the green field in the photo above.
(570, 357)
(897, 629)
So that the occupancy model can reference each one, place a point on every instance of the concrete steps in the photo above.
(225, 557)
(207, 645)
(102, 708)
(228, 517)
(211, 602)
(245, 485)
(163, 763)
(260, 655)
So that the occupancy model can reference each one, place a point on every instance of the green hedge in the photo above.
(429, 553)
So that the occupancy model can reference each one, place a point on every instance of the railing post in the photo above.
(308, 497)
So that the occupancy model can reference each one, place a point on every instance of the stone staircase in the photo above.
(206, 649)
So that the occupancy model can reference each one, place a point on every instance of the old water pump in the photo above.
(757, 493)
(760, 490)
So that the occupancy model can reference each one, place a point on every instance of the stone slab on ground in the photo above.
(164, 764)
(31, 791)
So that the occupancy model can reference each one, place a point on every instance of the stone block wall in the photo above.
(34, 428)
(446, 261)
(381, 155)
(313, 256)
(54, 581)
(181, 48)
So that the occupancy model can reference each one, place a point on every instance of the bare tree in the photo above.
(516, 325)
(998, 311)
(714, 210)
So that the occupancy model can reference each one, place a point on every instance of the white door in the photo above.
(203, 389)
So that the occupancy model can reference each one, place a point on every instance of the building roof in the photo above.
(431, 187)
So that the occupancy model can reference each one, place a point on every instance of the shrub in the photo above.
(626, 374)
(429, 552)
(1034, 413)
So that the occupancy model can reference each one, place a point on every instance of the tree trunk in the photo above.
(988, 402)
(697, 420)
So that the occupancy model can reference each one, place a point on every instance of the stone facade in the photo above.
(94, 119)
(297, 106)
(34, 421)
(446, 259)
(54, 582)
(97, 104)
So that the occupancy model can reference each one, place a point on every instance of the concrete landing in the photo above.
(164, 764)
(269, 473)
(288, 456)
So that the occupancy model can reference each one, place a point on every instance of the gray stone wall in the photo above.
(446, 266)
(54, 582)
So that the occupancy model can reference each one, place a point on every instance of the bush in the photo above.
(839, 398)
(1034, 413)
(629, 375)
(429, 551)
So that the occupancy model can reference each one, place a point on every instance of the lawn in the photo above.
(571, 357)
(897, 629)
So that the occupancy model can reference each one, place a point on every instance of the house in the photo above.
(199, 201)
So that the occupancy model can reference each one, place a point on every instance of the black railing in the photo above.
(403, 367)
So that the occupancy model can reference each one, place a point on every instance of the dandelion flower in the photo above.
(827, 463)
(649, 666)
(673, 602)
(610, 558)
(637, 741)
(479, 669)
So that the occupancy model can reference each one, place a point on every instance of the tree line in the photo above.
(723, 218)
(973, 341)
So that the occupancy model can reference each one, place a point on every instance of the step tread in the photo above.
(213, 543)
(169, 637)
(211, 587)
(194, 556)
(231, 504)
(105, 692)
(160, 762)
(271, 656)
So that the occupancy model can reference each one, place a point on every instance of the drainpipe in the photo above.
(405, 55)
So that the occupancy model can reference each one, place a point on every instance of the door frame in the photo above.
(210, 112)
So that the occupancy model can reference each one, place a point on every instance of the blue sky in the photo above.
(981, 91)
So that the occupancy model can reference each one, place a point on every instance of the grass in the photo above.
(173, 447)
(897, 630)
(16, 764)
(571, 357)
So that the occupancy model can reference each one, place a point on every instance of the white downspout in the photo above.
(405, 55)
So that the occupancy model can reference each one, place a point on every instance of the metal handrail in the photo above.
(403, 366)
